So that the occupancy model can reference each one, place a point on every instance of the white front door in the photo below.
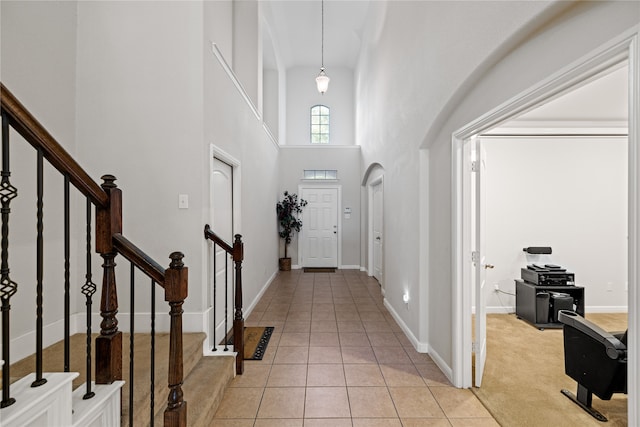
(377, 212)
(479, 263)
(319, 234)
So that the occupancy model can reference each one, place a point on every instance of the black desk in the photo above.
(526, 301)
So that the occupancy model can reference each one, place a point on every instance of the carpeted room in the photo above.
(528, 179)
(524, 374)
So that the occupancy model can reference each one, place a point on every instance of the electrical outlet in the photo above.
(609, 287)
(496, 287)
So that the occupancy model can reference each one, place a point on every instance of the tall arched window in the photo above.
(319, 124)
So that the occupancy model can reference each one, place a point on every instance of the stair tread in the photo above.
(205, 386)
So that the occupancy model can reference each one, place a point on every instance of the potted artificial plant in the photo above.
(288, 223)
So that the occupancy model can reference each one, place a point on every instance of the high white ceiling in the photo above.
(296, 27)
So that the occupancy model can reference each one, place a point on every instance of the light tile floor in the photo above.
(337, 358)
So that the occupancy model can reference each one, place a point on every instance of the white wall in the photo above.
(405, 76)
(302, 94)
(565, 192)
(139, 101)
(270, 108)
(230, 125)
(294, 160)
(247, 48)
(493, 52)
(37, 57)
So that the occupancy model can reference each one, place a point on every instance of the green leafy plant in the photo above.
(288, 210)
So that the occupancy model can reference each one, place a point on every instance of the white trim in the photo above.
(270, 135)
(444, 367)
(234, 79)
(421, 347)
(606, 309)
(377, 181)
(309, 146)
(623, 47)
(423, 245)
(349, 267)
(316, 186)
(578, 125)
(633, 300)
(219, 153)
(498, 309)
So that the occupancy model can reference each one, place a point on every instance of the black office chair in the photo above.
(595, 358)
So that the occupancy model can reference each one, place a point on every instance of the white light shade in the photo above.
(322, 81)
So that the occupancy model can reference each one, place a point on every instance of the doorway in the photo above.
(577, 74)
(321, 228)
(224, 219)
(376, 230)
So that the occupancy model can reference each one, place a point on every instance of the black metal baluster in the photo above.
(215, 276)
(7, 287)
(153, 349)
(131, 329)
(39, 270)
(88, 289)
(67, 255)
(226, 301)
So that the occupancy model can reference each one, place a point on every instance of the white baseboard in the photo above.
(419, 346)
(501, 309)
(606, 309)
(255, 301)
(446, 369)
(349, 267)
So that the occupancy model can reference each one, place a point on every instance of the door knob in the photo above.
(488, 266)
(378, 238)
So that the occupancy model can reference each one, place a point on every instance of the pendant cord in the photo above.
(322, 38)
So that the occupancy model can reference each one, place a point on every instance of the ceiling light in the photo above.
(322, 81)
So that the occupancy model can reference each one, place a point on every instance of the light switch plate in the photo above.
(183, 201)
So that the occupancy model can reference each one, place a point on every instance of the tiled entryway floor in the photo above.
(337, 358)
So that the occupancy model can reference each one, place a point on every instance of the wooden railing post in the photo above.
(175, 292)
(238, 319)
(109, 342)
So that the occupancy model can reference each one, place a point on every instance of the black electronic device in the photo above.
(547, 275)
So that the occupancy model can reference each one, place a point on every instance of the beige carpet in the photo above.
(524, 374)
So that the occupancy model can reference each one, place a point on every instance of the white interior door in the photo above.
(222, 225)
(479, 261)
(319, 234)
(377, 236)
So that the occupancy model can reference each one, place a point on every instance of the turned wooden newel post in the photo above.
(109, 342)
(175, 292)
(238, 319)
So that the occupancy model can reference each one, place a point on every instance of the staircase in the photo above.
(87, 380)
(61, 403)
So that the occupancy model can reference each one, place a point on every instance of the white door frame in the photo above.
(625, 47)
(207, 253)
(339, 213)
(373, 183)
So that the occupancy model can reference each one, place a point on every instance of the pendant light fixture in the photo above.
(322, 81)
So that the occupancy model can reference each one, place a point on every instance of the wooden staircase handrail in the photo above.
(107, 199)
(235, 251)
(36, 135)
(139, 258)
